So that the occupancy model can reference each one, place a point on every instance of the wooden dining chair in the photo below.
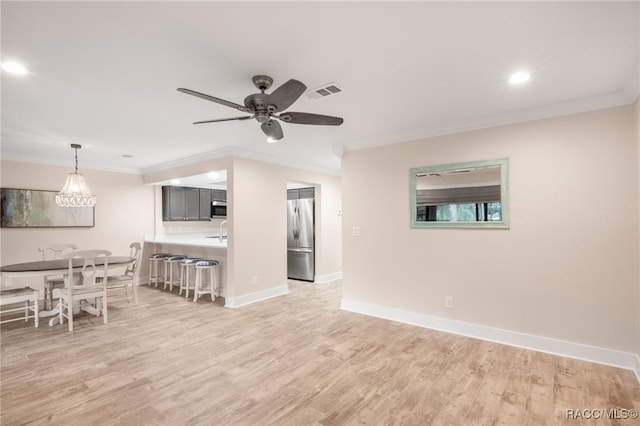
(27, 296)
(83, 289)
(54, 251)
(118, 286)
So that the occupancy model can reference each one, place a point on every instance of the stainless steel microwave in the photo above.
(218, 209)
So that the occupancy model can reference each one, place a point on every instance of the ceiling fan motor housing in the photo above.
(258, 103)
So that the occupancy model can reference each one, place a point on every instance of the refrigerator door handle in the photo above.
(296, 223)
(300, 250)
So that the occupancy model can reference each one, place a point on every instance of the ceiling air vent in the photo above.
(324, 91)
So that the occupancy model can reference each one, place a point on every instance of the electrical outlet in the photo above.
(448, 302)
(254, 280)
(355, 231)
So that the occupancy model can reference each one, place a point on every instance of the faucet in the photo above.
(224, 222)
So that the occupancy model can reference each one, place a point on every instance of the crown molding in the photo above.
(85, 165)
(623, 97)
(238, 152)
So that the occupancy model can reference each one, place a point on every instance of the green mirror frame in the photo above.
(503, 164)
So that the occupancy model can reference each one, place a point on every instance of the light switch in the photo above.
(355, 231)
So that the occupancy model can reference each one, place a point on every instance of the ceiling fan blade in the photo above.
(307, 118)
(217, 120)
(273, 130)
(284, 96)
(214, 99)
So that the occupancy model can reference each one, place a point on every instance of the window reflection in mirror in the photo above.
(460, 195)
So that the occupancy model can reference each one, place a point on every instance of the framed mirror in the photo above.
(462, 195)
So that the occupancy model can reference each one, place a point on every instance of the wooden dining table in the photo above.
(42, 268)
(47, 267)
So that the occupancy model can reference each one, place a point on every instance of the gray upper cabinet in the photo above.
(302, 193)
(192, 204)
(307, 193)
(205, 204)
(218, 195)
(173, 203)
(182, 203)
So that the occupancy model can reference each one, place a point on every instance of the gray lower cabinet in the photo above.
(183, 203)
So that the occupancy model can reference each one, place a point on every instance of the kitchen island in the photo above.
(204, 246)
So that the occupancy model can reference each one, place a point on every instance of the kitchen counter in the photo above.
(203, 246)
(197, 240)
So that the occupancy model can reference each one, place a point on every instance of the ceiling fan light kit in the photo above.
(267, 108)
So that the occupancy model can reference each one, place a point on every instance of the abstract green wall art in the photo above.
(27, 208)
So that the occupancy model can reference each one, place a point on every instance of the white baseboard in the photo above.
(236, 302)
(322, 279)
(625, 360)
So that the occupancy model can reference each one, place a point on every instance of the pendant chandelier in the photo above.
(76, 192)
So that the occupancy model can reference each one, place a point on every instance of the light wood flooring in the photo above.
(293, 360)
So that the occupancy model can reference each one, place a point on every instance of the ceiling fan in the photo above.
(264, 107)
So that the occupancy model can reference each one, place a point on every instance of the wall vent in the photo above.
(324, 91)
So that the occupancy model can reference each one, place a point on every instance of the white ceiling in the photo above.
(104, 74)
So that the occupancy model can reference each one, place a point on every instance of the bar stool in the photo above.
(169, 265)
(185, 267)
(155, 261)
(202, 287)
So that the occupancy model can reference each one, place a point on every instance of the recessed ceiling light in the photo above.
(175, 181)
(519, 77)
(14, 68)
(271, 140)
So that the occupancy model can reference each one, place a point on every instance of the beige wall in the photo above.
(164, 228)
(129, 208)
(123, 213)
(256, 199)
(637, 134)
(259, 223)
(566, 269)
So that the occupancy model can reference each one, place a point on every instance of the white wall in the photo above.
(566, 269)
(123, 212)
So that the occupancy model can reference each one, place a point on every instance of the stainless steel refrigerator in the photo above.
(300, 239)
